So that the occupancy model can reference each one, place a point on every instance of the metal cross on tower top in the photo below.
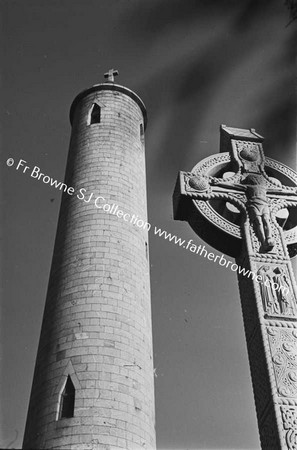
(245, 205)
(110, 75)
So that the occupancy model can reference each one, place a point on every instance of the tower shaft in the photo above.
(96, 338)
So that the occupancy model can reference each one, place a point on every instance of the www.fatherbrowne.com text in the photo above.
(114, 209)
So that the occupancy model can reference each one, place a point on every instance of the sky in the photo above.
(196, 64)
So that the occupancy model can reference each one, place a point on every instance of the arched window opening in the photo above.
(67, 400)
(95, 114)
(141, 130)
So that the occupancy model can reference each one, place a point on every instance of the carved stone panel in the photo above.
(249, 155)
(289, 417)
(283, 349)
(278, 297)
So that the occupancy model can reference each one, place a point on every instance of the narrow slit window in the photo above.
(67, 400)
(95, 114)
(141, 130)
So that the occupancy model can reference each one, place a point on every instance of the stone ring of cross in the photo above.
(226, 190)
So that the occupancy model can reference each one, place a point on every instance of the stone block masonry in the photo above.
(96, 328)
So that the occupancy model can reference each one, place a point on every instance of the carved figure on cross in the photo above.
(255, 187)
(110, 75)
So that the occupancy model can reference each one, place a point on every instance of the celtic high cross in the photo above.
(244, 205)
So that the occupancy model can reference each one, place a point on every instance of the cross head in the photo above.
(244, 183)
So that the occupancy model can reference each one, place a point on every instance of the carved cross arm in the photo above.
(190, 186)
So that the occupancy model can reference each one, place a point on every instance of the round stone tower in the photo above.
(93, 386)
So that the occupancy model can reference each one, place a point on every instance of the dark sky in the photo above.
(196, 64)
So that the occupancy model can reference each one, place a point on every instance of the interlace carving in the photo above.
(210, 162)
(289, 417)
(290, 235)
(283, 348)
(210, 213)
(282, 168)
